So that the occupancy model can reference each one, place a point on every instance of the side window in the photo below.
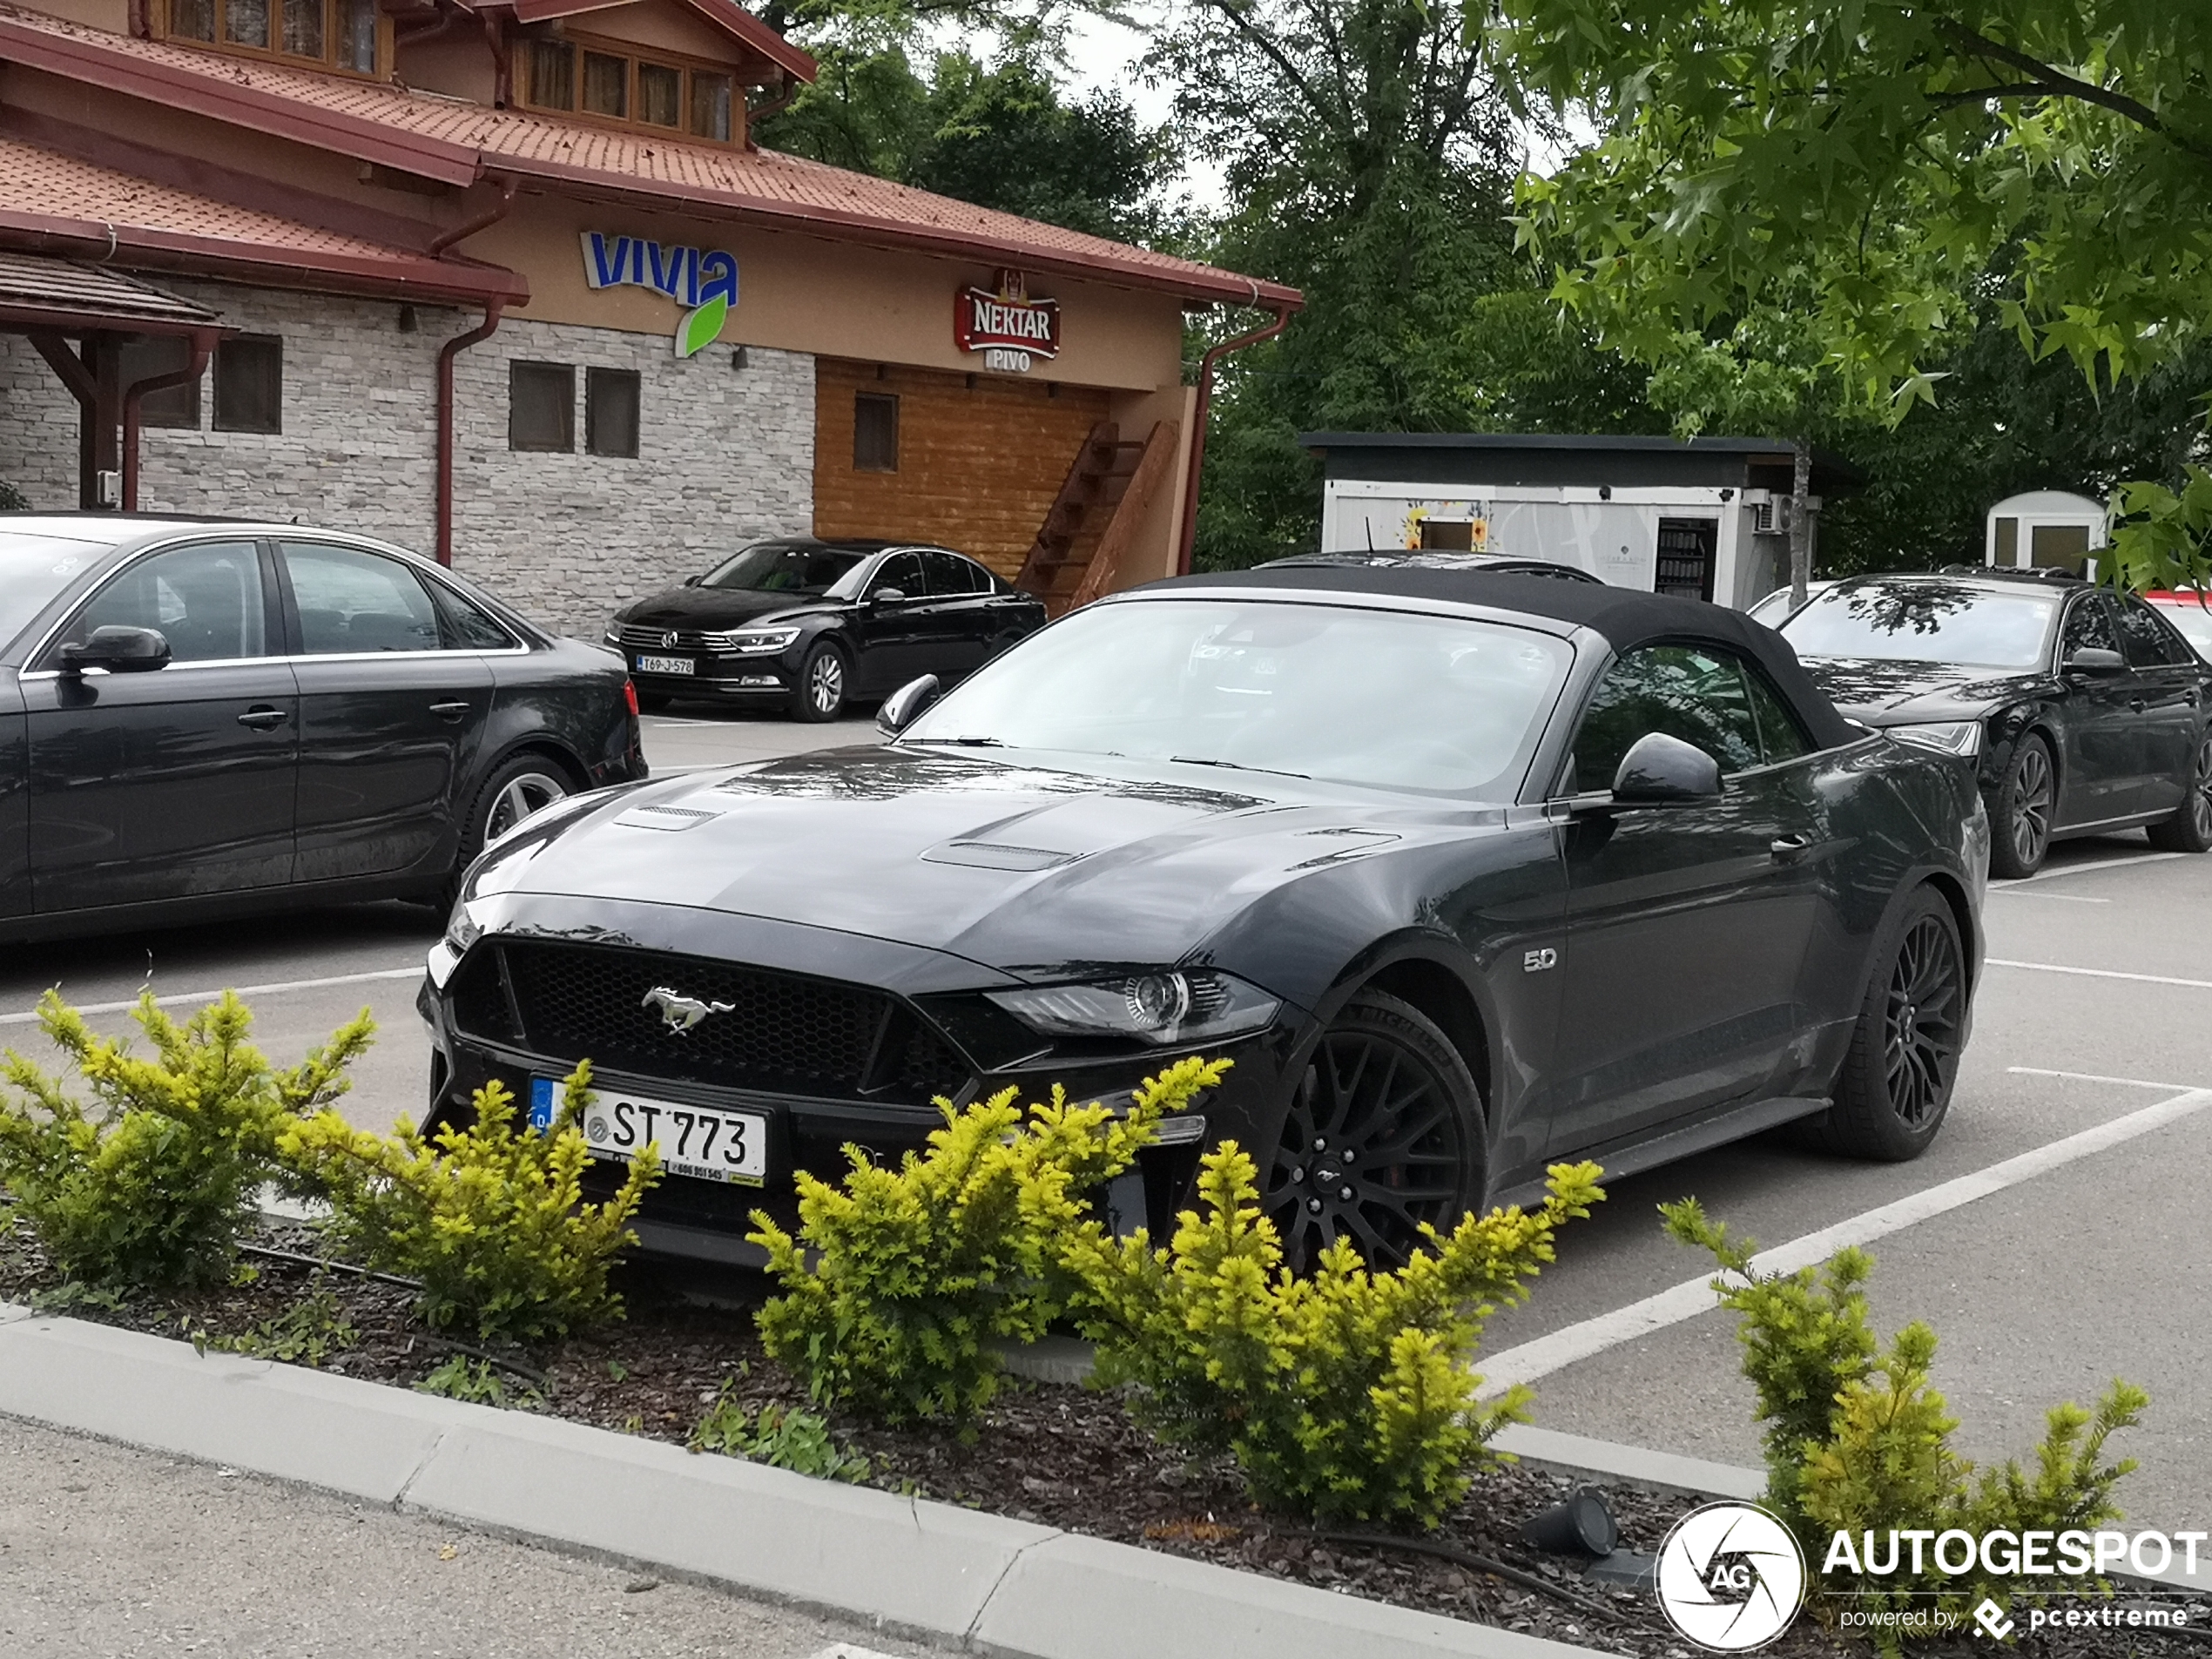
(2150, 642)
(2088, 627)
(205, 599)
(351, 601)
(950, 575)
(1688, 692)
(979, 579)
(902, 571)
(466, 628)
(1780, 735)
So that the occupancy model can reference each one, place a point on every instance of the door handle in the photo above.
(262, 718)
(1788, 849)
(449, 711)
(2136, 704)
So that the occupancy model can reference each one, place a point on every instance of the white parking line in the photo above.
(2068, 898)
(2092, 1078)
(2102, 973)
(276, 989)
(1546, 1354)
(2083, 869)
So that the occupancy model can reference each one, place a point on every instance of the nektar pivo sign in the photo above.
(1009, 328)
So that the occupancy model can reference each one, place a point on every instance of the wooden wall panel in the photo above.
(978, 465)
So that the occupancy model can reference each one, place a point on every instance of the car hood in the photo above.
(1881, 692)
(1017, 864)
(717, 607)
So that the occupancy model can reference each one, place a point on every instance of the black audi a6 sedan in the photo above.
(2084, 710)
(201, 717)
(812, 625)
(1465, 874)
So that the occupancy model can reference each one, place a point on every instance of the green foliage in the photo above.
(777, 1435)
(1346, 1396)
(1880, 177)
(155, 1184)
(2161, 535)
(478, 1381)
(900, 1277)
(1859, 1442)
(12, 499)
(306, 1333)
(491, 1217)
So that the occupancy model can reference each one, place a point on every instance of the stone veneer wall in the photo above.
(725, 454)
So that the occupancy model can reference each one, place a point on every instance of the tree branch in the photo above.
(1274, 54)
(2056, 83)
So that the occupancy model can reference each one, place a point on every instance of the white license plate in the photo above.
(666, 665)
(704, 1142)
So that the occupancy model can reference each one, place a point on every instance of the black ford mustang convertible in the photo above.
(1465, 874)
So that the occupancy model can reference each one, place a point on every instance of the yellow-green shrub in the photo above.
(898, 1277)
(155, 1186)
(1346, 1396)
(1857, 1441)
(490, 1218)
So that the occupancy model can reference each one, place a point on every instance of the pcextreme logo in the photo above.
(1730, 1577)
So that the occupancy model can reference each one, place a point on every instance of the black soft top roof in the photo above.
(1626, 616)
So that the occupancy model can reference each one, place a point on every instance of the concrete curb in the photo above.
(992, 1584)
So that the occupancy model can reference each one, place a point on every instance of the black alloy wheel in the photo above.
(1895, 1086)
(1382, 1134)
(524, 785)
(2190, 828)
(2019, 811)
(818, 693)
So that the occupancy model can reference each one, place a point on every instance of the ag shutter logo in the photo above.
(1730, 1577)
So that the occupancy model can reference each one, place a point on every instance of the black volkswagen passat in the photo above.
(2084, 710)
(1465, 873)
(201, 717)
(811, 625)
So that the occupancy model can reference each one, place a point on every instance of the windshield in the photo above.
(2193, 620)
(33, 569)
(1926, 622)
(1433, 703)
(779, 567)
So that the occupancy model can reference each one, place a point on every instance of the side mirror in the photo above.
(2094, 659)
(1661, 771)
(118, 649)
(888, 596)
(899, 708)
(693, 581)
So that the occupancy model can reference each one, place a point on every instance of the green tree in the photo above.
(1886, 172)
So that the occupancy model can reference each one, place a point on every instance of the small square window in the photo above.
(606, 85)
(875, 432)
(249, 384)
(552, 75)
(610, 398)
(540, 408)
(175, 406)
(660, 94)
(711, 105)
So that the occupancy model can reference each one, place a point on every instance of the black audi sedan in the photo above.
(201, 717)
(2084, 710)
(811, 625)
(1465, 874)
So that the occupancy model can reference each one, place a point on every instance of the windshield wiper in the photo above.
(965, 743)
(1236, 765)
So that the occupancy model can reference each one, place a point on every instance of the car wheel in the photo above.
(819, 694)
(521, 786)
(2190, 828)
(2019, 811)
(1895, 1086)
(1383, 1133)
(653, 702)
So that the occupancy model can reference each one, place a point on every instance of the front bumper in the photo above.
(738, 678)
(706, 1220)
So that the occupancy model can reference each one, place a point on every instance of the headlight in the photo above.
(612, 637)
(756, 642)
(1161, 1009)
(1960, 737)
(462, 927)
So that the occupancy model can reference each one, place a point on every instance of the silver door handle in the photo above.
(449, 711)
(264, 718)
(1789, 849)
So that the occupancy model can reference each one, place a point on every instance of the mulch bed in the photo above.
(1064, 1457)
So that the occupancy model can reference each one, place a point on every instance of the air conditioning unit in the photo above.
(1770, 512)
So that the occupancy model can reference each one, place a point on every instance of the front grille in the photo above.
(780, 1032)
(653, 639)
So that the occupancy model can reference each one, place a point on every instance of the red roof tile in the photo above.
(457, 141)
(48, 200)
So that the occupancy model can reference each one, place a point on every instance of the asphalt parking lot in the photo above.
(2057, 1235)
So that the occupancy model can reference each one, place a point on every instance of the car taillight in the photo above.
(630, 695)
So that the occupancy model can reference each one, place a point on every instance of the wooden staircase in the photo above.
(1087, 532)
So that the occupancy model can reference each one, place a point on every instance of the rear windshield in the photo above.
(778, 567)
(33, 570)
(1926, 622)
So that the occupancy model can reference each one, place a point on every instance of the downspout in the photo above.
(202, 347)
(787, 90)
(485, 220)
(1199, 426)
(447, 352)
(503, 63)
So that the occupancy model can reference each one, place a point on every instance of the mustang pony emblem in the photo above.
(680, 1012)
